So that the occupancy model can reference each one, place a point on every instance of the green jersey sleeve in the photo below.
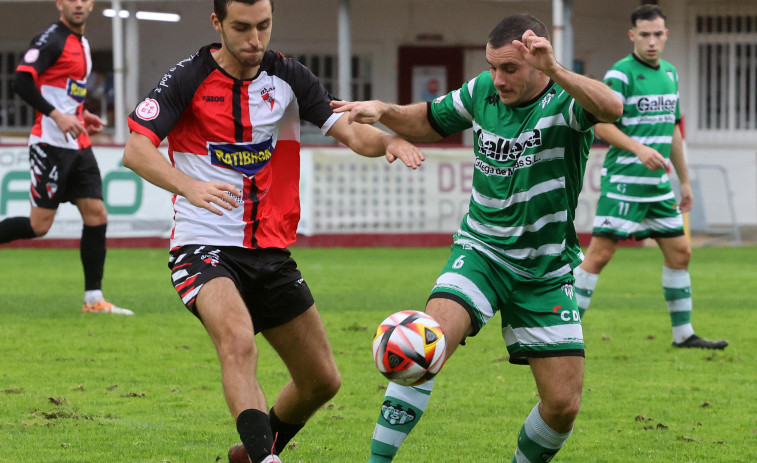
(678, 99)
(453, 112)
(578, 118)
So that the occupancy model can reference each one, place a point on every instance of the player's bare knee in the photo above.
(603, 257)
(596, 260)
(332, 386)
(562, 409)
(325, 388)
(96, 219)
(237, 347)
(41, 229)
(684, 256)
(678, 260)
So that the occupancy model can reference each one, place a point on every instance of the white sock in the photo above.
(676, 285)
(585, 284)
(93, 296)
(537, 442)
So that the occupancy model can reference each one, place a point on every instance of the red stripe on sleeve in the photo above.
(136, 127)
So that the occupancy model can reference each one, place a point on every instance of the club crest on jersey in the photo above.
(567, 288)
(76, 89)
(148, 109)
(267, 94)
(31, 55)
(51, 188)
(246, 158)
(547, 98)
(211, 259)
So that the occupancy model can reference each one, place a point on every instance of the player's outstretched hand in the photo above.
(651, 158)
(399, 148)
(92, 123)
(207, 195)
(364, 112)
(537, 51)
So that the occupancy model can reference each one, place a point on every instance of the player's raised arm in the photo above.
(141, 156)
(409, 121)
(594, 96)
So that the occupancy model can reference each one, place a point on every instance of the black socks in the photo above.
(16, 228)
(255, 431)
(92, 252)
(284, 432)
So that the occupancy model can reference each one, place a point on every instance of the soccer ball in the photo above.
(409, 348)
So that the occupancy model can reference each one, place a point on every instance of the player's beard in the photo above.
(245, 60)
(76, 21)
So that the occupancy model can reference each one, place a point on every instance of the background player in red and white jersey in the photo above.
(52, 78)
(231, 113)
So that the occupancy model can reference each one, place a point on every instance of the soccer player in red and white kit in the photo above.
(52, 78)
(231, 113)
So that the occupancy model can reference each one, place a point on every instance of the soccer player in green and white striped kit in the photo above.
(516, 247)
(636, 198)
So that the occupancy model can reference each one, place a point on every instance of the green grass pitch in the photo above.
(93, 388)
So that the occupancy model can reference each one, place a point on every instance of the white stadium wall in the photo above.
(136, 208)
(347, 199)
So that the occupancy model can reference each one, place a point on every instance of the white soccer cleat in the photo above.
(105, 307)
(271, 459)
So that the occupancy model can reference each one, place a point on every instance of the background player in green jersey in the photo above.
(636, 198)
(516, 247)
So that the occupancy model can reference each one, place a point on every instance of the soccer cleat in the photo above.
(238, 454)
(696, 341)
(105, 307)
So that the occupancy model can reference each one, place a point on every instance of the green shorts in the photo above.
(621, 220)
(539, 316)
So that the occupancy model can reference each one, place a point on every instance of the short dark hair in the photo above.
(513, 27)
(221, 7)
(646, 13)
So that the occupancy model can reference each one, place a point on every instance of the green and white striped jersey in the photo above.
(650, 112)
(528, 172)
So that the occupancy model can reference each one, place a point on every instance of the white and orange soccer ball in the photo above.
(409, 348)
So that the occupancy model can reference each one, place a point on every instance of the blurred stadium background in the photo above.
(397, 50)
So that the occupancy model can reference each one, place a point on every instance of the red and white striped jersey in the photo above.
(60, 62)
(242, 132)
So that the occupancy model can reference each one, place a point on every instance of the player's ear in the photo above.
(216, 23)
(630, 34)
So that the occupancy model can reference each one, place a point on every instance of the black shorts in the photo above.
(267, 279)
(61, 175)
